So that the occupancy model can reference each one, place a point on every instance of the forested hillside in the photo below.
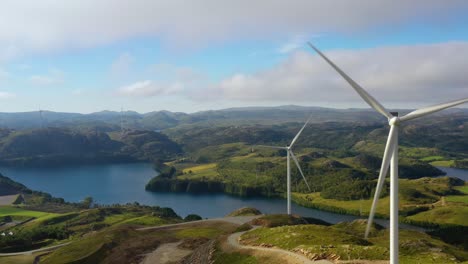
(64, 146)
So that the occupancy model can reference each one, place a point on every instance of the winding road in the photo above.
(233, 241)
(238, 220)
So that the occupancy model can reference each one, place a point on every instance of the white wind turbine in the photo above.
(289, 154)
(390, 157)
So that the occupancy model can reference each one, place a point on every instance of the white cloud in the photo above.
(149, 88)
(48, 25)
(419, 73)
(6, 95)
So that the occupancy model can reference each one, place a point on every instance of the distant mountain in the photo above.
(161, 120)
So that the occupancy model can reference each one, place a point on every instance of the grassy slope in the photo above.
(355, 207)
(444, 215)
(77, 224)
(461, 199)
(345, 241)
(242, 165)
(198, 232)
(92, 247)
(220, 257)
(23, 259)
(100, 246)
(17, 211)
(243, 171)
(428, 189)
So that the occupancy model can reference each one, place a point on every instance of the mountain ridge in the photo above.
(160, 120)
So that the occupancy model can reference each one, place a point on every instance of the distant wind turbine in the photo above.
(42, 117)
(122, 131)
(290, 153)
(390, 157)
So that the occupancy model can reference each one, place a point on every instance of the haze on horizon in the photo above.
(85, 56)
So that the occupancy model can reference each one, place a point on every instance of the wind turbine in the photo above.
(390, 157)
(290, 154)
(122, 131)
(41, 115)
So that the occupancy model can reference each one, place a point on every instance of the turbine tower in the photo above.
(390, 157)
(289, 155)
(122, 131)
(42, 117)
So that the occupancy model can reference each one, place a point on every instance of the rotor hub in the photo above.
(394, 121)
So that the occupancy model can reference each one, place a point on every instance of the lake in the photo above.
(124, 183)
(458, 173)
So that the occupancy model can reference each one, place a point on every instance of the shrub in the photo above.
(192, 217)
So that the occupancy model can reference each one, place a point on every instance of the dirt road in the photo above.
(290, 257)
(166, 253)
(238, 220)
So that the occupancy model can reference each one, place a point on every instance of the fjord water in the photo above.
(457, 173)
(125, 183)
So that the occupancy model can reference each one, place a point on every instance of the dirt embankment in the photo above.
(202, 255)
(279, 255)
(166, 253)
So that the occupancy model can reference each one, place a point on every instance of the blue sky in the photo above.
(149, 55)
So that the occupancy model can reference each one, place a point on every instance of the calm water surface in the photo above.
(458, 173)
(123, 183)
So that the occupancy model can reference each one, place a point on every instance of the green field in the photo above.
(443, 163)
(412, 192)
(457, 199)
(17, 211)
(463, 198)
(355, 207)
(207, 171)
(454, 214)
(146, 220)
(220, 257)
(463, 189)
(134, 219)
(199, 232)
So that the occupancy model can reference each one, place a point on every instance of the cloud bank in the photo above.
(150, 88)
(48, 25)
(394, 75)
(419, 73)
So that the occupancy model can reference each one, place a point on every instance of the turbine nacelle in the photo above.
(394, 121)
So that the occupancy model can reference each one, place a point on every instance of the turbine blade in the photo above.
(273, 147)
(365, 95)
(431, 109)
(299, 133)
(300, 170)
(390, 146)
